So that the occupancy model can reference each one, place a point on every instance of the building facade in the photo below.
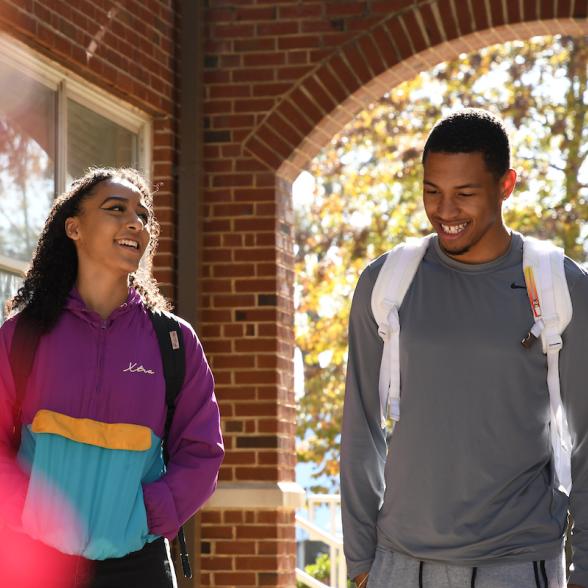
(222, 103)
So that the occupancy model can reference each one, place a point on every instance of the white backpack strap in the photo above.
(543, 264)
(389, 290)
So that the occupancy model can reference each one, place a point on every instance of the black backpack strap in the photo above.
(171, 345)
(23, 348)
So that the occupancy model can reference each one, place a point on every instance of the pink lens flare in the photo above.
(25, 563)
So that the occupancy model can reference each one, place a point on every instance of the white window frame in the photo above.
(69, 85)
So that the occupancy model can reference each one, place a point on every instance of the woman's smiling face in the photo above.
(111, 232)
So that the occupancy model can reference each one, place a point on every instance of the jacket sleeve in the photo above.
(574, 383)
(363, 441)
(13, 481)
(195, 448)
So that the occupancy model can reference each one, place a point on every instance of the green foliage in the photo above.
(368, 195)
(321, 570)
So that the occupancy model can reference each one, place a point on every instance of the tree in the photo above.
(368, 195)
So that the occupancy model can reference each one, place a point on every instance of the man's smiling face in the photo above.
(463, 201)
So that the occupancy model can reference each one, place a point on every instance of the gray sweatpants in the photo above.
(394, 570)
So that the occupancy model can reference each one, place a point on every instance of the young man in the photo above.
(463, 495)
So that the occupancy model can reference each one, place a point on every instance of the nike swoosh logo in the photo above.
(515, 286)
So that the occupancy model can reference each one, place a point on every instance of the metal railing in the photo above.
(331, 537)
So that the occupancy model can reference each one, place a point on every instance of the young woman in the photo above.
(89, 480)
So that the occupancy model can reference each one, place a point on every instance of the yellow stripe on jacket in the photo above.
(107, 435)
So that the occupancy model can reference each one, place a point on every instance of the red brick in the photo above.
(480, 15)
(263, 152)
(236, 517)
(256, 14)
(267, 44)
(255, 195)
(232, 301)
(498, 15)
(295, 115)
(430, 24)
(564, 8)
(530, 10)
(254, 75)
(264, 59)
(546, 10)
(283, 27)
(250, 345)
(319, 95)
(275, 89)
(298, 42)
(254, 105)
(293, 72)
(239, 458)
(358, 64)
(387, 6)
(220, 532)
(316, 26)
(257, 532)
(234, 31)
(300, 11)
(371, 55)
(235, 547)
(235, 579)
(216, 563)
(209, 517)
(345, 74)
(256, 563)
(399, 38)
(278, 143)
(388, 50)
(332, 85)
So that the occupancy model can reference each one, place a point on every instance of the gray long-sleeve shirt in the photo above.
(466, 478)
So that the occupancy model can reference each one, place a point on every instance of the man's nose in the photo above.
(448, 208)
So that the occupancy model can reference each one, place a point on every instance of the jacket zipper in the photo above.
(101, 340)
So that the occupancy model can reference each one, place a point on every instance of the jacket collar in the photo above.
(77, 306)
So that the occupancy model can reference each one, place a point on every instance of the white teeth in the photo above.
(454, 229)
(128, 243)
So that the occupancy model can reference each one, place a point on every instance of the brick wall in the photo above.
(281, 78)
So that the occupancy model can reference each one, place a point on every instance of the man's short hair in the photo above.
(472, 130)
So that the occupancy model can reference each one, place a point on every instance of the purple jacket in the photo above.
(93, 419)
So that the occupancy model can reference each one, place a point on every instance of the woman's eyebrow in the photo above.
(122, 199)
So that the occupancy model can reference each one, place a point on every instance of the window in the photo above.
(53, 126)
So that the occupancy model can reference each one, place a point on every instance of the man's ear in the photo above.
(72, 228)
(508, 183)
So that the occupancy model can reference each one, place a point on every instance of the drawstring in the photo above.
(536, 575)
(544, 573)
(475, 573)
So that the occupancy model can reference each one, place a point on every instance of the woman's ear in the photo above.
(72, 228)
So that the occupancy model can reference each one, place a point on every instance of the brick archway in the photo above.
(391, 45)
(399, 48)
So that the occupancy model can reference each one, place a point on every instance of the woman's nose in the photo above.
(135, 221)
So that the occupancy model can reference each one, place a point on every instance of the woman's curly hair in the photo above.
(54, 267)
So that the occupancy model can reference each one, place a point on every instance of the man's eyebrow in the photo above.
(121, 199)
(460, 187)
